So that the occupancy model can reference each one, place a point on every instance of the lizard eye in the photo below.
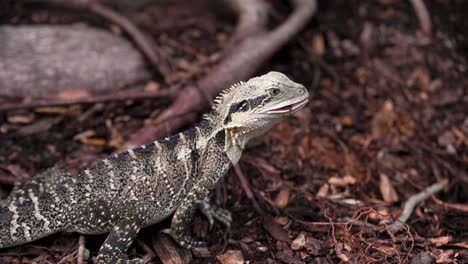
(241, 106)
(274, 92)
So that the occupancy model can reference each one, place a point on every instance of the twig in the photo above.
(240, 63)
(423, 15)
(81, 249)
(134, 95)
(157, 58)
(412, 202)
(408, 209)
(360, 223)
(246, 188)
(272, 227)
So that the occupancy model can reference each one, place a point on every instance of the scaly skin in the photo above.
(139, 187)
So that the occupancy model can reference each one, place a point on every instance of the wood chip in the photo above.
(169, 252)
(231, 257)
(299, 242)
(387, 190)
(282, 198)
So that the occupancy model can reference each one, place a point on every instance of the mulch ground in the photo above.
(387, 118)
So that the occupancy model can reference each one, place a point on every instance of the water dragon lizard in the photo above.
(142, 186)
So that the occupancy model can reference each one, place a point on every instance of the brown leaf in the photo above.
(274, 229)
(231, 257)
(84, 136)
(383, 120)
(21, 118)
(152, 86)
(318, 45)
(386, 188)
(323, 191)
(72, 94)
(346, 180)
(116, 139)
(282, 198)
(282, 220)
(439, 241)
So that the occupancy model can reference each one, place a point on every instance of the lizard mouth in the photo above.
(290, 108)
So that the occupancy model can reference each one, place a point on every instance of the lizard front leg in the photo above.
(213, 166)
(180, 225)
(119, 240)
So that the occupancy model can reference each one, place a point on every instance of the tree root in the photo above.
(247, 50)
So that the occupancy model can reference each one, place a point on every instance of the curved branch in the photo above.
(239, 64)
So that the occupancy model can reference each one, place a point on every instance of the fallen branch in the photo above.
(412, 202)
(92, 99)
(156, 57)
(253, 46)
(423, 15)
(408, 209)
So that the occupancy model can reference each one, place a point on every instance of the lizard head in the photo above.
(251, 108)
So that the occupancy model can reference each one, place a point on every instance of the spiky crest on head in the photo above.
(219, 100)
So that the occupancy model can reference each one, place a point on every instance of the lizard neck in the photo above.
(227, 140)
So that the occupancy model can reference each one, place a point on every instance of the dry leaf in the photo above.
(323, 191)
(439, 241)
(318, 44)
(342, 181)
(383, 120)
(231, 257)
(152, 86)
(21, 119)
(282, 220)
(274, 229)
(84, 136)
(282, 198)
(72, 94)
(387, 190)
(346, 121)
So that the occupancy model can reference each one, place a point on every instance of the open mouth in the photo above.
(289, 108)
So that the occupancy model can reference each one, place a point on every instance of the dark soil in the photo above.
(389, 103)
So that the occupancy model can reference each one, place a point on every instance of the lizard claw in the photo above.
(184, 240)
(212, 212)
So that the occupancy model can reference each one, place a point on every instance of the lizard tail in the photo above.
(34, 209)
